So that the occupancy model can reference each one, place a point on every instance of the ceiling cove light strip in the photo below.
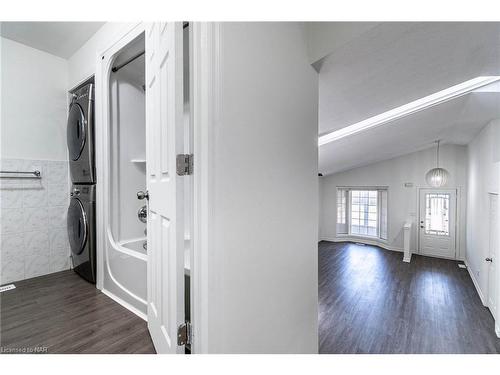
(410, 108)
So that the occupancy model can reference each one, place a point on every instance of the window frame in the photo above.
(379, 190)
(378, 210)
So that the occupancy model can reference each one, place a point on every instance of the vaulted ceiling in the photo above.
(391, 64)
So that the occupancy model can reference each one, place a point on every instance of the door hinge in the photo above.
(184, 164)
(184, 334)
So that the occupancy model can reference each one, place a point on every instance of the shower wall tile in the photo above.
(58, 195)
(59, 239)
(33, 231)
(11, 198)
(12, 269)
(57, 216)
(57, 171)
(12, 246)
(36, 242)
(11, 220)
(12, 256)
(35, 197)
(59, 259)
(36, 219)
(37, 264)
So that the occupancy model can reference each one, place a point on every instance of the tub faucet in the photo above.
(142, 214)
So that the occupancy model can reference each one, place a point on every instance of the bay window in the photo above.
(362, 212)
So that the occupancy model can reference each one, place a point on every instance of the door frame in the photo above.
(205, 80)
(458, 195)
(205, 94)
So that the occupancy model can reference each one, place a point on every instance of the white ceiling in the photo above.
(457, 122)
(57, 38)
(393, 64)
(324, 37)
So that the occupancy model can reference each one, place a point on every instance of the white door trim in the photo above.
(205, 112)
(457, 218)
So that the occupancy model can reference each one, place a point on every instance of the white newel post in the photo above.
(406, 241)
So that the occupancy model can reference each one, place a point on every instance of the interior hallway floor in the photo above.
(372, 302)
(65, 314)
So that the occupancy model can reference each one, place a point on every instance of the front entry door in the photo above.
(164, 139)
(437, 222)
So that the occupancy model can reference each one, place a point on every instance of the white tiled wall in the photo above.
(33, 235)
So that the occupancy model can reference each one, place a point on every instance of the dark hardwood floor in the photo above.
(369, 302)
(62, 313)
(372, 302)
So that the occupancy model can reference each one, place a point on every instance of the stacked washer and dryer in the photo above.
(81, 211)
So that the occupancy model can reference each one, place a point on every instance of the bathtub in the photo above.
(125, 276)
(136, 245)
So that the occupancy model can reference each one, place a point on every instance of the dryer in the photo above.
(80, 135)
(81, 230)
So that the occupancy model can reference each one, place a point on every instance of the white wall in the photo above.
(263, 283)
(34, 103)
(402, 201)
(482, 179)
(82, 64)
(33, 239)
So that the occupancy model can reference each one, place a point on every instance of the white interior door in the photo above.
(164, 128)
(437, 222)
(492, 258)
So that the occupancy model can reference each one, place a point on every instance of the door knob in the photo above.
(141, 195)
(489, 259)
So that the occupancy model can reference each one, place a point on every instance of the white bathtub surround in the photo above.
(33, 231)
(122, 265)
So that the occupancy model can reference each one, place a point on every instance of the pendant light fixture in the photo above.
(437, 177)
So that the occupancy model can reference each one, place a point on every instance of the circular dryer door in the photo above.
(77, 226)
(76, 131)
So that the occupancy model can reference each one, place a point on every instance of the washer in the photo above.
(81, 230)
(80, 135)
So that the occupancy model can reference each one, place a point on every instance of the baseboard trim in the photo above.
(127, 305)
(476, 284)
(407, 259)
(365, 241)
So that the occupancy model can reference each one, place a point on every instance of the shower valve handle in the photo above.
(141, 195)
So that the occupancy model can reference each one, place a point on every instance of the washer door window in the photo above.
(76, 131)
(77, 226)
